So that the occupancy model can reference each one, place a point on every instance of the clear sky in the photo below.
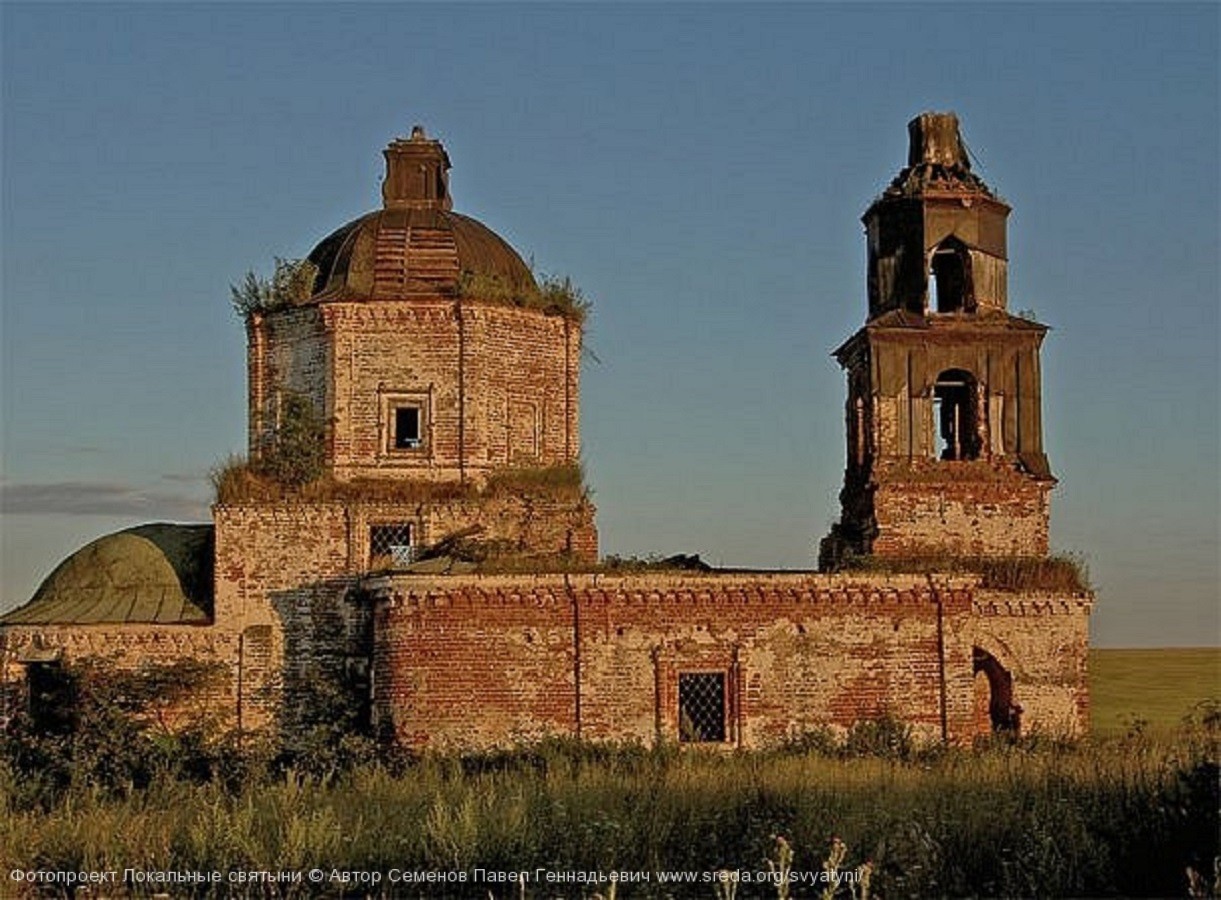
(698, 170)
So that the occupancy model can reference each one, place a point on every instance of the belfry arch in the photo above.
(956, 404)
(952, 288)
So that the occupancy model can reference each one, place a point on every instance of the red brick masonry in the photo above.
(487, 661)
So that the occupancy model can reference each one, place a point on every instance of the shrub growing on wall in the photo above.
(115, 729)
(291, 283)
(296, 455)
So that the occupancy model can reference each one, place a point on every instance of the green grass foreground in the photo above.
(1126, 813)
(1124, 817)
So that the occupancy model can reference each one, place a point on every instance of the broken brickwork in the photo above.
(944, 412)
(491, 385)
(490, 661)
(438, 369)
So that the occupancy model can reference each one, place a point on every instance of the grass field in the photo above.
(1157, 686)
(1127, 812)
(1121, 818)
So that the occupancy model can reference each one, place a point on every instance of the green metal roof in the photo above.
(155, 574)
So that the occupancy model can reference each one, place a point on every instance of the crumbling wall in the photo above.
(537, 523)
(1042, 639)
(988, 509)
(285, 573)
(900, 498)
(282, 573)
(487, 661)
(904, 366)
(286, 354)
(131, 647)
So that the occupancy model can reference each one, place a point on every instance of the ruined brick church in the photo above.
(445, 385)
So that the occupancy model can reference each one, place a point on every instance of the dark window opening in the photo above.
(52, 698)
(390, 546)
(360, 690)
(701, 708)
(951, 272)
(955, 407)
(407, 428)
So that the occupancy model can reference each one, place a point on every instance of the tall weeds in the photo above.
(1059, 572)
(1122, 816)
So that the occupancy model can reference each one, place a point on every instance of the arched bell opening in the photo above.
(952, 286)
(995, 711)
(957, 413)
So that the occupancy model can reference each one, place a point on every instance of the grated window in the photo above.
(701, 707)
(390, 546)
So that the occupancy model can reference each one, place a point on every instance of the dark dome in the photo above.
(400, 251)
(150, 574)
(415, 244)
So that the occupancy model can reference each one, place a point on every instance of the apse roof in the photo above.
(155, 574)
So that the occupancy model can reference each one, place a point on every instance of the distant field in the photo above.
(1160, 686)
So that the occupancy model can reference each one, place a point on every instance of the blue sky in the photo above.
(698, 170)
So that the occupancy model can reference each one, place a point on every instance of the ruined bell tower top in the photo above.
(937, 241)
(937, 159)
(934, 140)
(417, 173)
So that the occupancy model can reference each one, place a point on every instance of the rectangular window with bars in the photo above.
(701, 707)
(391, 546)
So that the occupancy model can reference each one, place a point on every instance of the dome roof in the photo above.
(392, 253)
(415, 244)
(149, 574)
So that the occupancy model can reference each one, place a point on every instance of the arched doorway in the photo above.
(995, 711)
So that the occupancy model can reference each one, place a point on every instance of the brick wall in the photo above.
(285, 571)
(900, 497)
(1043, 641)
(286, 352)
(497, 385)
(130, 647)
(268, 548)
(523, 391)
(477, 662)
(484, 661)
(977, 508)
(282, 574)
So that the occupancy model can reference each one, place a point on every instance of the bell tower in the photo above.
(944, 425)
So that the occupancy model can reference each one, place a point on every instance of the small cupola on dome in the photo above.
(415, 245)
(417, 173)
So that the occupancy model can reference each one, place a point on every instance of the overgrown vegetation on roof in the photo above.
(1060, 572)
(470, 554)
(553, 295)
(291, 283)
(562, 479)
(934, 471)
(239, 480)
